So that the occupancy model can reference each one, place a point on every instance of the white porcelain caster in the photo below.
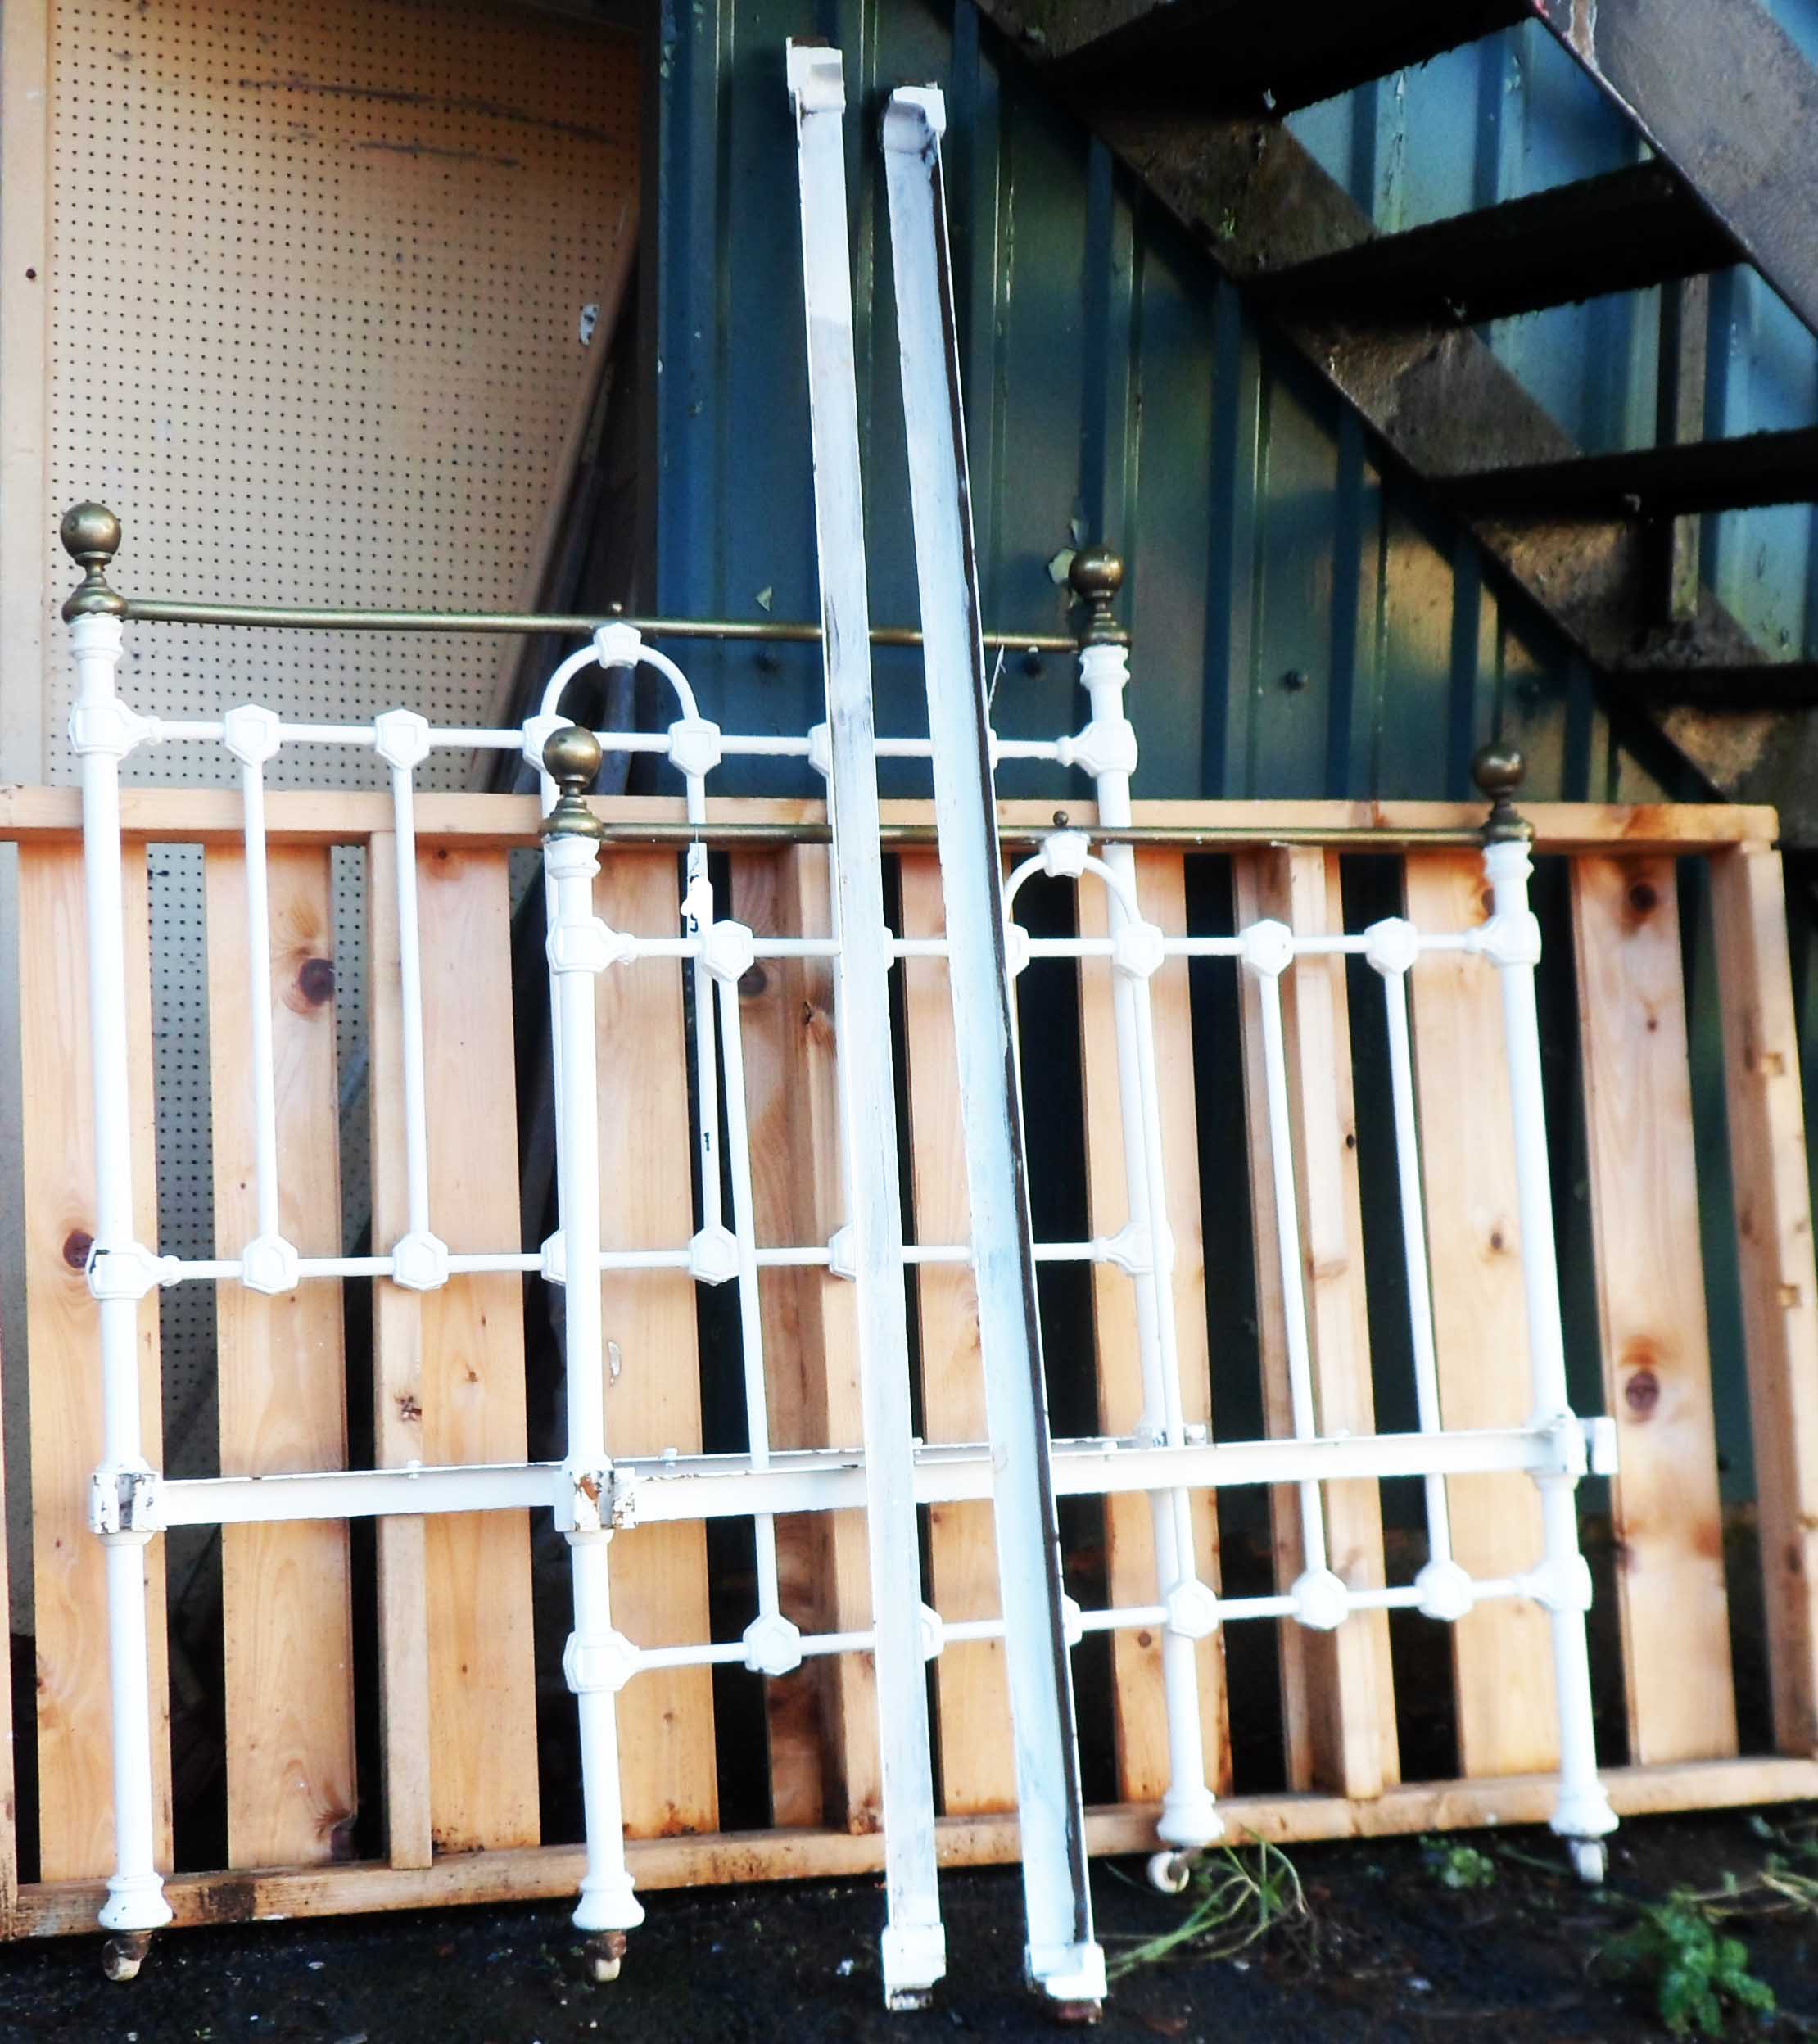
(605, 1954)
(1169, 1872)
(1590, 1860)
(121, 1957)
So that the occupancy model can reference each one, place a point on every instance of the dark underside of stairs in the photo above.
(1190, 95)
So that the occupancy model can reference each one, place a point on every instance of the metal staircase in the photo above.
(1191, 96)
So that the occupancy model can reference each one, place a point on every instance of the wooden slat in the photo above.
(286, 1615)
(397, 1395)
(1502, 1659)
(1337, 1691)
(977, 1765)
(196, 815)
(1650, 1292)
(449, 1375)
(743, 1857)
(658, 1572)
(1142, 1721)
(1779, 1291)
(822, 1719)
(75, 1744)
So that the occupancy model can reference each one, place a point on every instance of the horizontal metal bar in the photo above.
(151, 610)
(671, 1487)
(1187, 836)
(355, 1493)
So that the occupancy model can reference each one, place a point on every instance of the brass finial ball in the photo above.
(91, 534)
(572, 757)
(1096, 575)
(1498, 771)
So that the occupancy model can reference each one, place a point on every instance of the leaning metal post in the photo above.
(1582, 1816)
(914, 1949)
(598, 1659)
(103, 731)
(1063, 1958)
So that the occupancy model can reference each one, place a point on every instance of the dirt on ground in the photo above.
(1387, 1951)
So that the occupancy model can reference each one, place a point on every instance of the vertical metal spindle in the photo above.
(268, 1263)
(773, 1642)
(103, 731)
(419, 1257)
(1511, 940)
(1321, 1599)
(1394, 947)
(264, 1090)
(416, 1110)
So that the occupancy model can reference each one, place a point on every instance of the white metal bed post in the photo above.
(598, 1662)
(1511, 940)
(121, 1270)
(915, 1944)
(1064, 1957)
(1106, 749)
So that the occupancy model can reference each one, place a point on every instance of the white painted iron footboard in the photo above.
(888, 1475)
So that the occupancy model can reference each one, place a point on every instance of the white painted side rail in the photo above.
(653, 1489)
(915, 1944)
(1064, 1957)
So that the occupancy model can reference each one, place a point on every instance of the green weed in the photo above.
(1697, 1974)
(1461, 1867)
(1235, 1900)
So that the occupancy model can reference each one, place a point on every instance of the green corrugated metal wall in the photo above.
(1302, 625)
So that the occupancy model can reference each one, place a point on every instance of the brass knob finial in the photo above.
(1498, 769)
(90, 533)
(1096, 575)
(572, 757)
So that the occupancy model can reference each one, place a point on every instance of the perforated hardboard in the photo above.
(319, 274)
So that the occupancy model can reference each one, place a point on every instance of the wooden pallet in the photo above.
(455, 1672)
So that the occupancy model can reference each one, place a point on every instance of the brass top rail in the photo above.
(317, 617)
(91, 536)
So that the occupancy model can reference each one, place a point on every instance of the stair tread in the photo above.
(1622, 231)
(1255, 60)
(1750, 470)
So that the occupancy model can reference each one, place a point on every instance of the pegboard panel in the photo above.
(317, 282)
(317, 275)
